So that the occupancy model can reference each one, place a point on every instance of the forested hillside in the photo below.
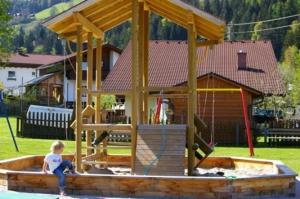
(35, 38)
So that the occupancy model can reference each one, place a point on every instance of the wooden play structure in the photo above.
(157, 165)
(90, 20)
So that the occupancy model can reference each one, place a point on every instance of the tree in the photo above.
(257, 35)
(1, 86)
(107, 101)
(290, 68)
(6, 31)
(292, 36)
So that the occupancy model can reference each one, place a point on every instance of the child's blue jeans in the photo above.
(59, 172)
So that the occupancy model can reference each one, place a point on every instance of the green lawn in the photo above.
(290, 156)
(58, 8)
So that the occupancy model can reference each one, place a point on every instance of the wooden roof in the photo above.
(98, 16)
(168, 66)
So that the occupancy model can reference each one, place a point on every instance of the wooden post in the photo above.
(89, 87)
(134, 80)
(78, 99)
(192, 95)
(98, 84)
(141, 111)
(146, 65)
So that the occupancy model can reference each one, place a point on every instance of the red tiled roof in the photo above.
(32, 60)
(168, 66)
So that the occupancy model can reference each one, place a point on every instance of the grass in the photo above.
(60, 7)
(290, 156)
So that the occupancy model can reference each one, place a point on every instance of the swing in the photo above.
(199, 122)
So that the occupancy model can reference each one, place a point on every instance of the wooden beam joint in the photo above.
(88, 25)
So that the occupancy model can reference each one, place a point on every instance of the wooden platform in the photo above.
(160, 150)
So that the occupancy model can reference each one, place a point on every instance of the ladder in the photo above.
(200, 143)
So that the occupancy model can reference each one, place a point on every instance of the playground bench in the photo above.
(281, 135)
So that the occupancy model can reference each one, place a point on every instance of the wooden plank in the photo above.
(102, 92)
(106, 127)
(113, 22)
(78, 158)
(151, 186)
(157, 146)
(169, 89)
(100, 7)
(112, 11)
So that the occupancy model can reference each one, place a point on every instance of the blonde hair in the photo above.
(57, 145)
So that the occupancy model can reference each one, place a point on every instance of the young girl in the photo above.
(53, 161)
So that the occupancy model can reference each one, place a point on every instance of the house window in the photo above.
(11, 75)
(33, 74)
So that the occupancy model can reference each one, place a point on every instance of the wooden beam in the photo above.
(180, 16)
(90, 86)
(134, 80)
(78, 159)
(68, 34)
(219, 90)
(107, 25)
(102, 92)
(146, 65)
(192, 94)
(98, 84)
(67, 28)
(107, 127)
(141, 51)
(62, 24)
(112, 11)
(207, 43)
(89, 25)
(169, 89)
(98, 7)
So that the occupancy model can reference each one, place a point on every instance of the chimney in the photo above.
(242, 60)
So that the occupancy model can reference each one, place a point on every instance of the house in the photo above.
(250, 65)
(21, 68)
(56, 84)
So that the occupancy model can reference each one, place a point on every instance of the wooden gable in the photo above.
(99, 16)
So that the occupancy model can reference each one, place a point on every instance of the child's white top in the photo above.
(53, 160)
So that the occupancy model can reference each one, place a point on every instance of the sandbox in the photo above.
(243, 178)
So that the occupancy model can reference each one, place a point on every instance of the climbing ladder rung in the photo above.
(200, 125)
(107, 127)
(203, 145)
